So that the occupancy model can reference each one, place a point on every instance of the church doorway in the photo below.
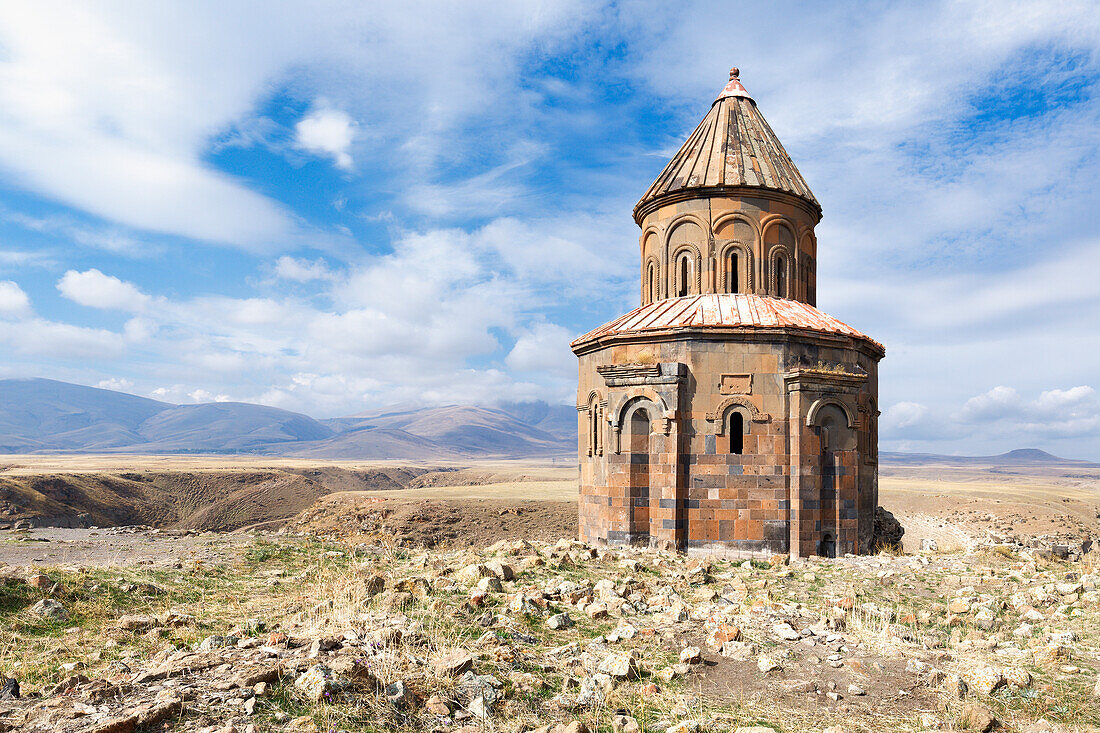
(828, 546)
(638, 429)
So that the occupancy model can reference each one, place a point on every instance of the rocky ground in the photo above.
(292, 632)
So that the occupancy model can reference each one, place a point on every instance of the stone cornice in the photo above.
(724, 192)
(749, 334)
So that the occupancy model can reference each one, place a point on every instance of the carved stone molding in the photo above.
(718, 416)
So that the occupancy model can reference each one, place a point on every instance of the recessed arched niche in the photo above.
(686, 244)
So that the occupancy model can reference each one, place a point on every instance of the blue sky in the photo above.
(330, 207)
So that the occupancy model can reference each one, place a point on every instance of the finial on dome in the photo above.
(734, 87)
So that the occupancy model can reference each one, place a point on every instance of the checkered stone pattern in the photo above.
(799, 483)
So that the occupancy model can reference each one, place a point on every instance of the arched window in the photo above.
(737, 433)
(733, 272)
(684, 274)
(651, 282)
(781, 276)
(595, 428)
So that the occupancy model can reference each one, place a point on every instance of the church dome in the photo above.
(732, 148)
(721, 312)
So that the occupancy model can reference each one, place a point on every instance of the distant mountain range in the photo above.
(1018, 457)
(43, 415)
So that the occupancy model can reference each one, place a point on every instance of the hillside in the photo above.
(43, 415)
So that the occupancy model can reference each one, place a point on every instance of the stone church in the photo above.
(727, 414)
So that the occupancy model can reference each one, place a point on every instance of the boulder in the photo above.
(319, 683)
(786, 632)
(50, 609)
(976, 717)
(399, 695)
(624, 724)
(137, 622)
(473, 573)
(766, 664)
(40, 581)
(723, 633)
(621, 666)
(559, 621)
(453, 663)
(887, 532)
(490, 584)
(501, 570)
(1016, 677)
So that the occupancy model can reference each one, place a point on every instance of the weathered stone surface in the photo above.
(149, 716)
(620, 665)
(319, 683)
(983, 680)
(501, 570)
(888, 531)
(766, 664)
(976, 717)
(786, 632)
(1016, 677)
(559, 621)
(50, 609)
(399, 695)
(40, 581)
(123, 724)
(490, 584)
(624, 724)
(453, 663)
(473, 573)
(137, 622)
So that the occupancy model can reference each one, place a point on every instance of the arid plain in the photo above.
(286, 594)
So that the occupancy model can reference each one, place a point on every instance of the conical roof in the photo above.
(732, 147)
(715, 312)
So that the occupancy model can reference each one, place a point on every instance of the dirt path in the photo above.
(116, 547)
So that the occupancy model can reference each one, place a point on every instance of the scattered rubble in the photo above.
(557, 634)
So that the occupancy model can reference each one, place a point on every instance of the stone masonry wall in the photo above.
(682, 487)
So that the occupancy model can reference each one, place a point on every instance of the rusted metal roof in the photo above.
(723, 311)
(732, 146)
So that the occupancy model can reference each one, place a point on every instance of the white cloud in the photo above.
(99, 113)
(107, 239)
(327, 132)
(1061, 420)
(13, 301)
(94, 289)
(424, 323)
(111, 109)
(544, 347)
(903, 415)
(181, 394)
(118, 385)
(36, 337)
(302, 270)
(997, 403)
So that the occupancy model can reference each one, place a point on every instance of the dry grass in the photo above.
(312, 590)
